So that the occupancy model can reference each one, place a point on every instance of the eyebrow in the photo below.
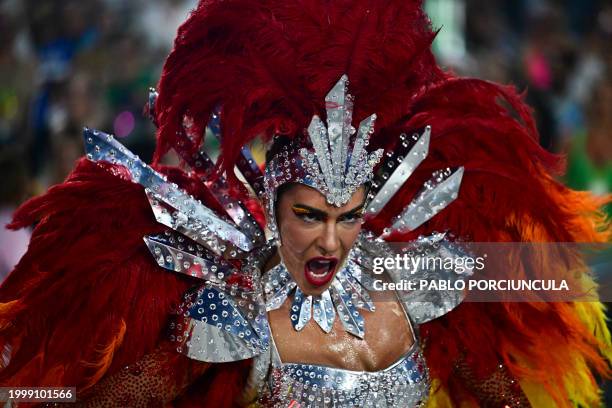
(321, 213)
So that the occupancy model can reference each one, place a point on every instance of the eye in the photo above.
(351, 219)
(309, 218)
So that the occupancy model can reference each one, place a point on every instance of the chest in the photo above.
(388, 337)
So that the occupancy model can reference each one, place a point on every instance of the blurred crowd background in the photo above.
(65, 64)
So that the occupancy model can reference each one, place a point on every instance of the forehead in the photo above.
(304, 195)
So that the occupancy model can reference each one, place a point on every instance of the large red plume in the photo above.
(268, 65)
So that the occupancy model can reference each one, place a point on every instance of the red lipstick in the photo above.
(320, 270)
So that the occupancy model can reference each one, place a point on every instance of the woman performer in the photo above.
(208, 312)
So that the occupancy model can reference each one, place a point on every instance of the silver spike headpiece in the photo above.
(327, 166)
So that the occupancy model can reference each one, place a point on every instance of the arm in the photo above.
(498, 389)
(155, 380)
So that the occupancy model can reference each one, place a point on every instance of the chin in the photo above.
(311, 290)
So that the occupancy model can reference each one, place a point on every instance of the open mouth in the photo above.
(320, 270)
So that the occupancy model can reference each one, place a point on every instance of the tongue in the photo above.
(319, 267)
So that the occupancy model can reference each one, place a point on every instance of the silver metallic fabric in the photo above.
(171, 206)
(426, 305)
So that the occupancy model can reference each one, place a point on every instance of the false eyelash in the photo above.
(309, 217)
(352, 217)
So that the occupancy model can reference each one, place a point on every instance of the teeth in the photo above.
(318, 275)
(316, 266)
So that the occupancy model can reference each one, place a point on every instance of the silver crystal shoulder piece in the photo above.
(171, 206)
(428, 300)
(218, 325)
(224, 319)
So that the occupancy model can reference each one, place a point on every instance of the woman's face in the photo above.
(316, 237)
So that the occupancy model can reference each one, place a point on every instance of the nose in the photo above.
(329, 240)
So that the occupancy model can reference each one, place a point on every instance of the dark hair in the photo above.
(279, 192)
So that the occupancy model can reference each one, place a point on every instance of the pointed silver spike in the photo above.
(301, 310)
(359, 153)
(436, 195)
(411, 161)
(323, 311)
(277, 287)
(193, 218)
(318, 137)
(179, 254)
(339, 115)
(278, 299)
(362, 298)
(347, 312)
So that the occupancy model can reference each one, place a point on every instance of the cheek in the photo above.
(349, 234)
(296, 239)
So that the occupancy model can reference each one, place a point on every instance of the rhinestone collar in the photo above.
(344, 297)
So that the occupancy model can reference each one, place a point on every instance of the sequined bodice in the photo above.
(403, 384)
